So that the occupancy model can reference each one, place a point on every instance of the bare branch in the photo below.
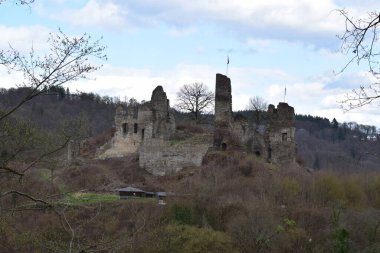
(258, 105)
(26, 196)
(67, 60)
(360, 39)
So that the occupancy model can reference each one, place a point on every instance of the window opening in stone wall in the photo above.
(125, 128)
(142, 133)
(224, 146)
(135, 128)
(284, 136)
(257, 153)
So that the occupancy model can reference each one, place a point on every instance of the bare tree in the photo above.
(66, 60)
(258, 105)
(195, 98)
(360, 40)
(21, 147)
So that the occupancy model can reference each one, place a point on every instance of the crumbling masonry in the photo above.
(276, 144)
(147, 129)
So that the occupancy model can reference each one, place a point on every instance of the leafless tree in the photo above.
(258, 105)
(195, 98)
(66, 60)
(360, 40)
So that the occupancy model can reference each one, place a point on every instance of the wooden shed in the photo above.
(131, 192)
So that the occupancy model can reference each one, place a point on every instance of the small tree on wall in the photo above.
(258, 105)
(195, 99)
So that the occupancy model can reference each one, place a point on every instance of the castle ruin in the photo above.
(142, 123)
(280, 134)
(275, 144)
(147, 129)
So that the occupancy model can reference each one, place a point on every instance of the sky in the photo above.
(271, 45)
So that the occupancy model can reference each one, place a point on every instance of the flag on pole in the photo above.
(228, 60)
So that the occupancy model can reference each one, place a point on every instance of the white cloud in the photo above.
(294, 20)
(273, 19)
(23, 38)
(104, 14)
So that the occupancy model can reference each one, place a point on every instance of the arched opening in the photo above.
(224, 146)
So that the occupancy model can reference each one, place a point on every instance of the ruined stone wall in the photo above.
(161, 158)
(229, 132)
(240, 129)
(163, 120)
(146, 129)
(280, 134)
(223, 99)
(134, 127)
(223, 111)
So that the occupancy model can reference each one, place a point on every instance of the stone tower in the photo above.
(140, 124)
(223, 111)
(279, 135)
(160, 114)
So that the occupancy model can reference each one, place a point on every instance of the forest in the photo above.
(235, 202)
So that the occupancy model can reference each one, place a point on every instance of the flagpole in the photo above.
(285, 94)
(228, 62)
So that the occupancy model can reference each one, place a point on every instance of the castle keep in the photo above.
(148, 128)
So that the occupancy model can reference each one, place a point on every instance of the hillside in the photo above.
(320, 144)
(234, 202)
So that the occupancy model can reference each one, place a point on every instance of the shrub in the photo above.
(330, 188)
(189, 239)
(182, 214)
(245, 167)
(290, 187)
(354, 193)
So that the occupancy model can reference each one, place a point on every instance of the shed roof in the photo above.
(130, 189)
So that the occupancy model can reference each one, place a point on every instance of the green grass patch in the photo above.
(80, 198)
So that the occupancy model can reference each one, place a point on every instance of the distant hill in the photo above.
(50, 109)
